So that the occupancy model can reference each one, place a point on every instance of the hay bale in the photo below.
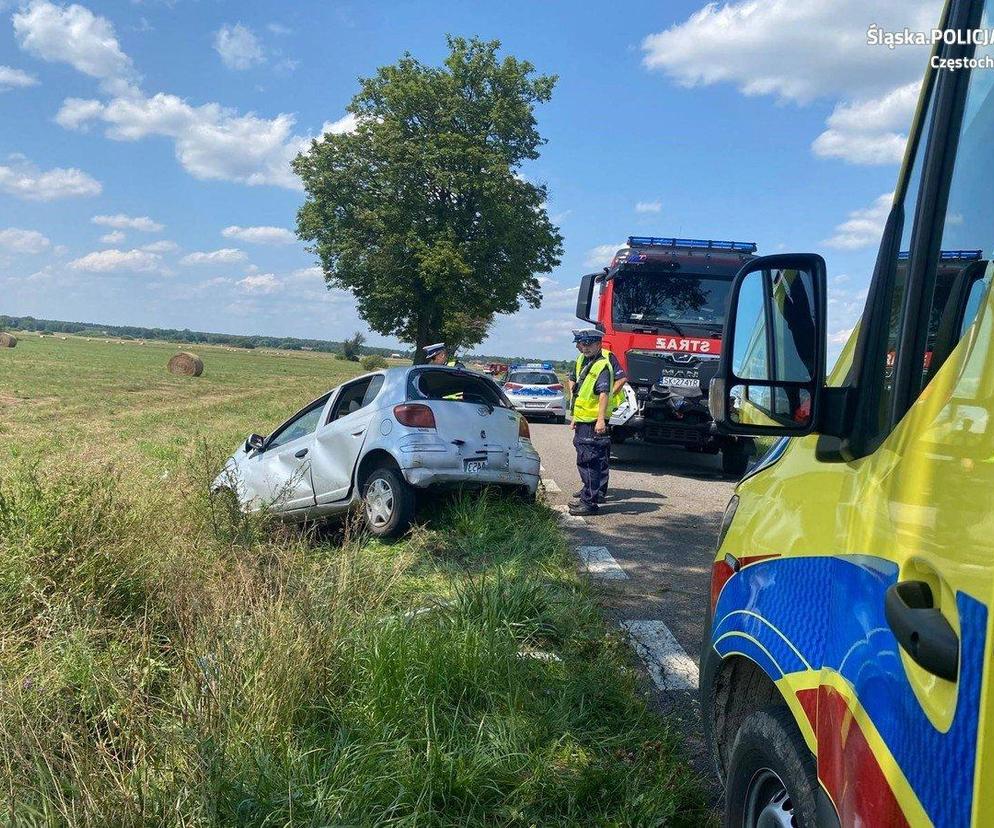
(7, 340)
(186, 364)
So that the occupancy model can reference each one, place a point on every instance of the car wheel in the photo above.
(388, 502)
(735, 458)
(560, 420)
(771, 774)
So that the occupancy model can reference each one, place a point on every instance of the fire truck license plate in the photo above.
(679, 382)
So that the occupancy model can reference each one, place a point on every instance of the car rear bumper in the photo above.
(551, 409)
(446, 464)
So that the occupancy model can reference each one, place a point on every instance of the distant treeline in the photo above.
(30, 323)
(286, 343)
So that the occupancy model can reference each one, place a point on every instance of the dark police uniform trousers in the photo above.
(593, 457)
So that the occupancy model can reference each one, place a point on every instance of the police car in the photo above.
(535, 390)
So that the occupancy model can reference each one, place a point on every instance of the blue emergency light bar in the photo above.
(708, 244)
(949, 255)
(545, 366)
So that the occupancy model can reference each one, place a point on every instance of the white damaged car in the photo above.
(377, 439)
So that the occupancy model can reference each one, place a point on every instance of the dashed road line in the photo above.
(667, 662)
(600, 563)
(550, 485)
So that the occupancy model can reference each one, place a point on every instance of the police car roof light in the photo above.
(708, 244)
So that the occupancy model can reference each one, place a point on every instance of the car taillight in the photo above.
(523, 432)
(556, 387)
(511, 385)
(414, 415)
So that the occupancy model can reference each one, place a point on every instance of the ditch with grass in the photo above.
(168, 660)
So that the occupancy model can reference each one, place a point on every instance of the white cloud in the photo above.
(238, 47)
(76, 112)
(347, 123)
(11, 78)
(74, 35)
(279, 29)
(260, 235)
(794, 49)
(120, 221)
(601, 255)
(260, 283)
(21, 178)
(864, 227)
(226, 255)
(870, 131)
(23, 241)
(799, 50)
(211, 141)
(161, 247)
(117, 261)
(648, 207)
(840, 337)
(308, 274)
(113, 237)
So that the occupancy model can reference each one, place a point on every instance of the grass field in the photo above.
(165, 660)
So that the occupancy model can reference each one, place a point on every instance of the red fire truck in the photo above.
(662, 309)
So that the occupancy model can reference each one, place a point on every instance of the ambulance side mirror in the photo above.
(772, 369)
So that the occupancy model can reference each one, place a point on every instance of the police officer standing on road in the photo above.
(438, 354)
(592, 391)
(620, 380)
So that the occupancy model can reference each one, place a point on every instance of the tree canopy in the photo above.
(421, 211)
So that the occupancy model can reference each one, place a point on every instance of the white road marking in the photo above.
(566, 519)
(541, 468)
(668, 663)
(600, 563)
(550, 485)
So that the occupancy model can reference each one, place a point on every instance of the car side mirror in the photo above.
(772, 369)
(254, 442)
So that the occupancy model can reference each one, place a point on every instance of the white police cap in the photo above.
(432, 350)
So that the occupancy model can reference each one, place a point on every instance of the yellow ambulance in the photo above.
(846, 671)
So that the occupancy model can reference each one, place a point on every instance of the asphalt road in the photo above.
(660, 524)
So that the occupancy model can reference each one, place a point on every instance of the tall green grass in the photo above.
(165, 660)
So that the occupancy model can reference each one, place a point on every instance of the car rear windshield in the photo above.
(457, 386)
(533, 378)
(657, 297)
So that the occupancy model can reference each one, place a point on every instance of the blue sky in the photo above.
(143, 159)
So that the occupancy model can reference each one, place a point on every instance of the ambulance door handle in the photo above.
(921, 629)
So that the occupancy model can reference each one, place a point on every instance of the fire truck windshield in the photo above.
(659, 298)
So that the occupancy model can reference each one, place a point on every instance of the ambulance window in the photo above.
(968, 223)
(899, 269)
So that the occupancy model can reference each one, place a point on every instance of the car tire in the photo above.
(735, 458)
(388, 503)
(560, 420)
(618, 435)
(771, 774)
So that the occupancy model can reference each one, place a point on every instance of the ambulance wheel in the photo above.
(735, 457)
(771, 774)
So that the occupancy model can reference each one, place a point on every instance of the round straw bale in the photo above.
(186, 364)
(7, 340)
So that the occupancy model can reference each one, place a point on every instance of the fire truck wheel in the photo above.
(735, 457)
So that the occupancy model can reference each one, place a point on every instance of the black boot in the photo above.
(582, 508)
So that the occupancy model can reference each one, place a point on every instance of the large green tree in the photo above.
(421, 211)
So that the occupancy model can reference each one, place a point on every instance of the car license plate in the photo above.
(534, 405)
(680, 382)
(474, 466)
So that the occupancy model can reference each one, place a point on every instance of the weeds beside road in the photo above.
(166, 660)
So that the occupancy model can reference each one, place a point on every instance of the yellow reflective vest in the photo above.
(585, 400)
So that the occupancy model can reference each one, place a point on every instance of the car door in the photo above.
(903, 712)
(339, 441)
(279, 475)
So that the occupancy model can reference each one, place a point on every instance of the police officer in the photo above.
(593, 386)
(438, 354)
(620, 380)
